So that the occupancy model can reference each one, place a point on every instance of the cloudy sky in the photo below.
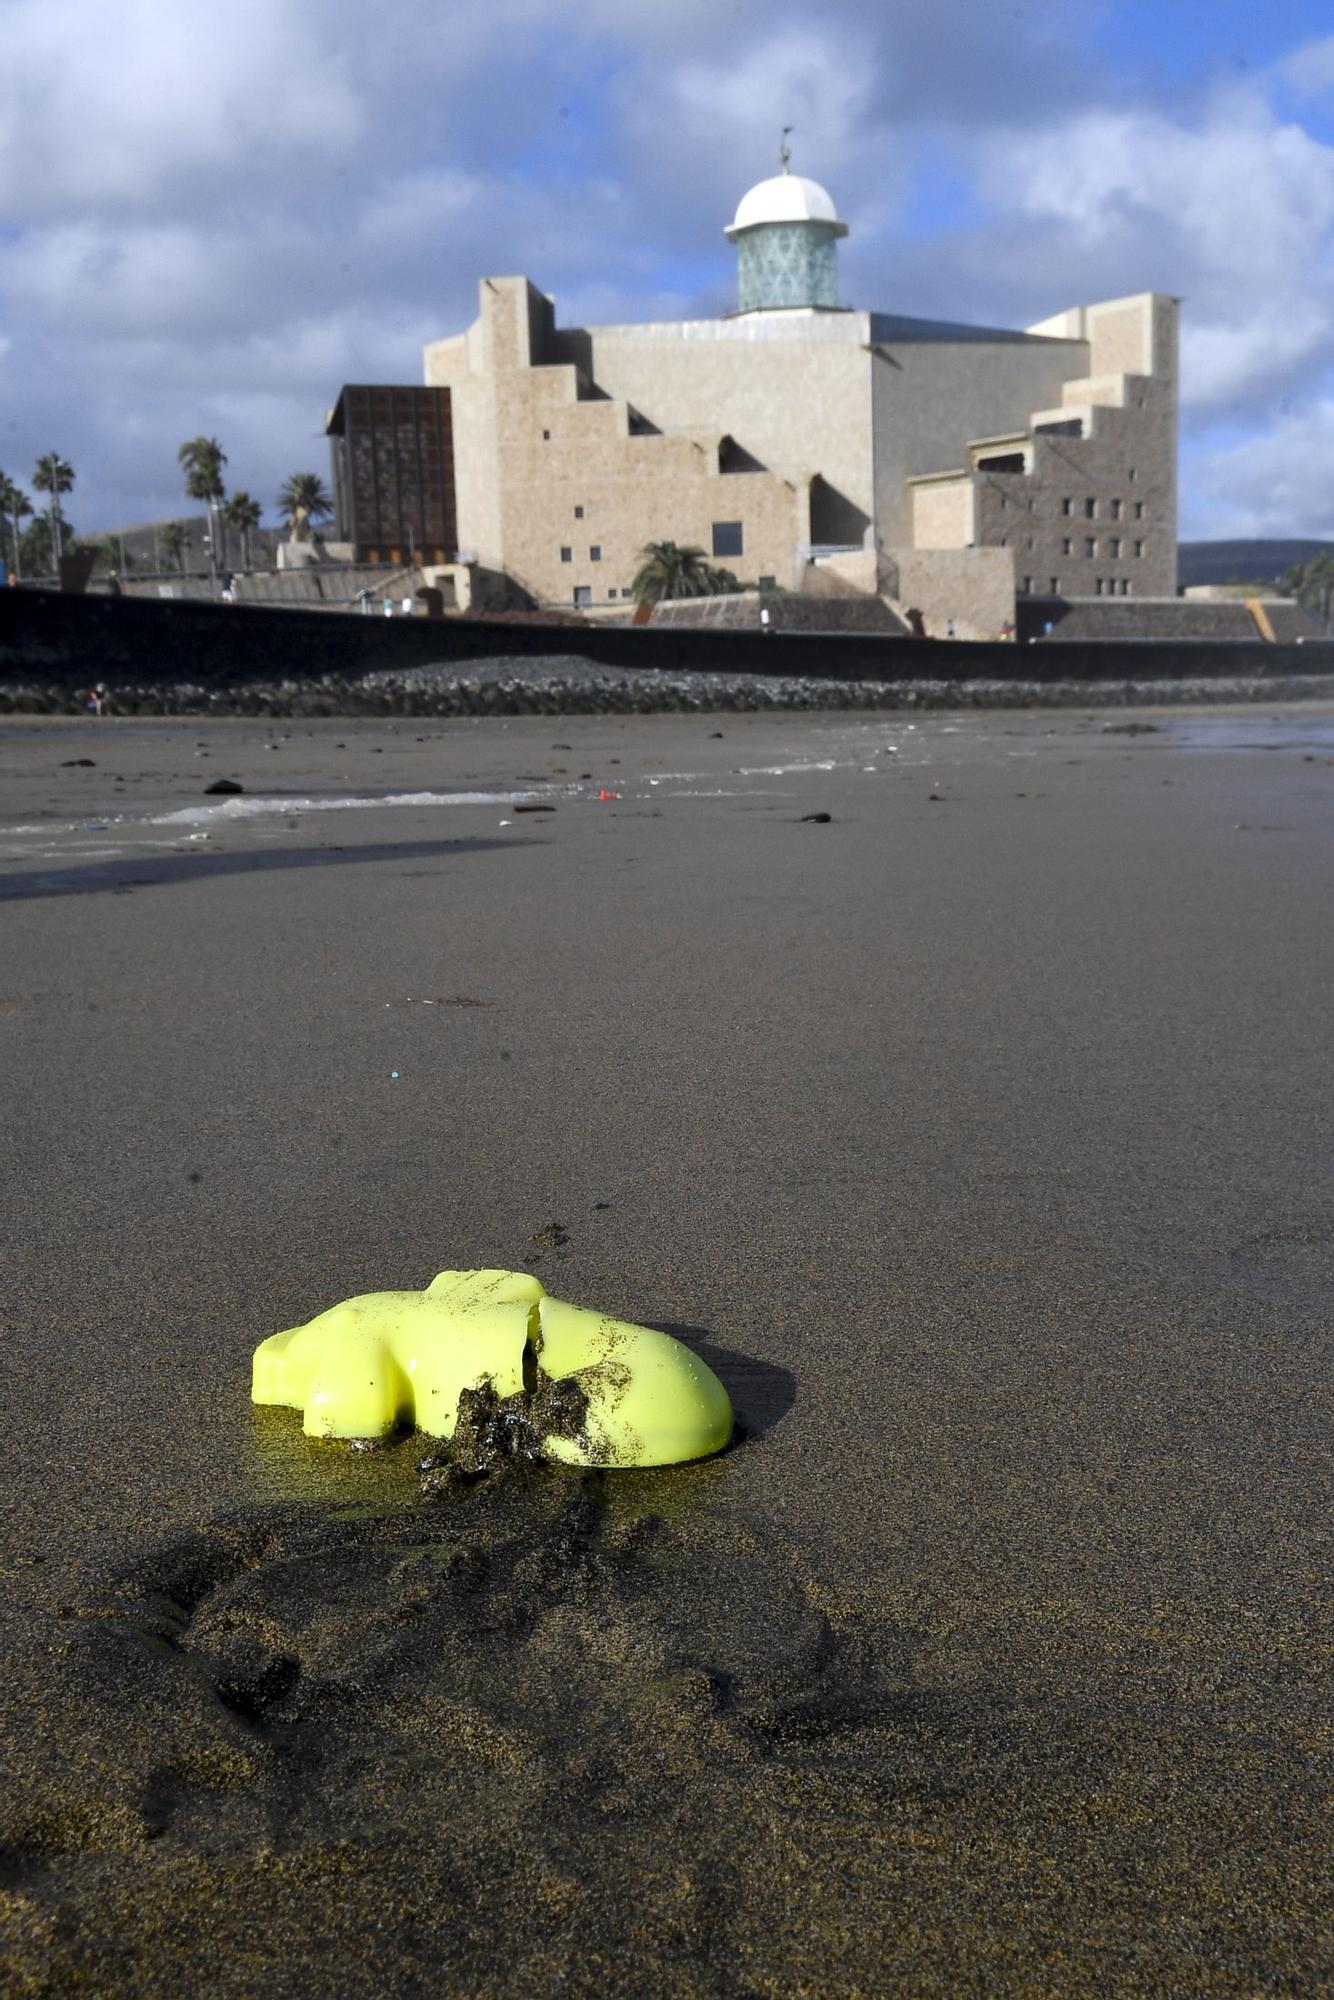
(212, 216)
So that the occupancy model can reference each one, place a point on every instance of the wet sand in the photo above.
(980, 1139)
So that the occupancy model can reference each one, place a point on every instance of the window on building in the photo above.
(546, 437)
(1026, 587)
(727, 538)
(1139, 510)
(1097, 586)
(1090, 545)
(1054, 586)
(1131, 473)
(1067, 506)
(1029, 543)
(1113, 545)
(768, 582)
(1139, 548)
(583, 593)
(1115, 506)
(1067, 546)
(1127, 587)
(613, 593)
(567, 555)
(595, 552)
(1091, 510)
(578, 513)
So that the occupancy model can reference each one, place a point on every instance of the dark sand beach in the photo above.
(979, 1136)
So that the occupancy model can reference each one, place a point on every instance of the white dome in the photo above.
(785, 198)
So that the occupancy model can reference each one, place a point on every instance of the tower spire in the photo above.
(784, 150)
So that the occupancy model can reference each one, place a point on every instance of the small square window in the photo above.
(727, 538)
(595, 552)
(613, 593)
(768, 582)
(1091, 510)
(578, 513)
(567, 555)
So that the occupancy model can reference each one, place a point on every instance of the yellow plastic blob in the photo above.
(390, 1358)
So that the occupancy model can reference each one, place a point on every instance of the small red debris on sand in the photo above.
(608, 795)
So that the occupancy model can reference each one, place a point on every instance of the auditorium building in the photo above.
(803, 444)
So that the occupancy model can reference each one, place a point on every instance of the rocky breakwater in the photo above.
(569, 685)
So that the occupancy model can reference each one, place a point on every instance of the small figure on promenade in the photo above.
(228, 587)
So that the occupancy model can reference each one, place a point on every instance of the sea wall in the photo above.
(57, 641)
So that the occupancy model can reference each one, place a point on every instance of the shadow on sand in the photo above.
(129, 872)
(762, 1393)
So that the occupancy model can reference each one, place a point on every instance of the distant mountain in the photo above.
(1242, 562)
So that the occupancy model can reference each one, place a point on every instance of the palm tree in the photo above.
(54, 475)
(113, 555)
(667, 569)
(305, 497)
(1312, 584)
(243, 514)
(202, 459)
(39, 551)
(14, 504)
(172, 543)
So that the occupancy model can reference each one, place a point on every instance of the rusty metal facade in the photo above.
(393, 472)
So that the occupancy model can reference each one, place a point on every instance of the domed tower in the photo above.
(785, 230)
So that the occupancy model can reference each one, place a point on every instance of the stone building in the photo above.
(807, 446)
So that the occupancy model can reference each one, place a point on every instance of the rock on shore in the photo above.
(569, 685)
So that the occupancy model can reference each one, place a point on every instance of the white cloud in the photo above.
(1234, 211)
(155, 106)
(1309, 70)
(1275, 484)
(211, 217)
